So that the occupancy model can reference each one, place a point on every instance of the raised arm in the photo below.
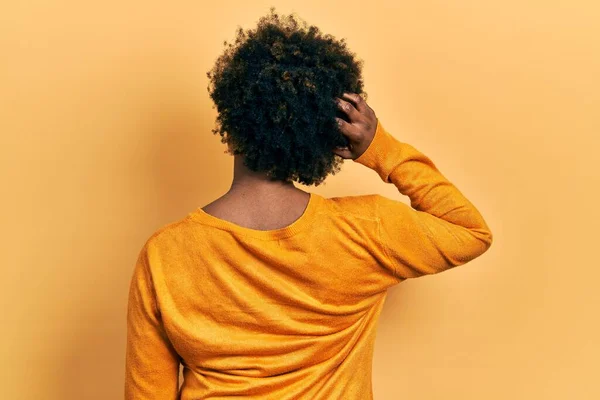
(442, 230)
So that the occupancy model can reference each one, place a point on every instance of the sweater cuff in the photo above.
(378, 151)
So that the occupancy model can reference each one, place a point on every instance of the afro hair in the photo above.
(275, 92)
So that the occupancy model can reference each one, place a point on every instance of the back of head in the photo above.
(275, 90)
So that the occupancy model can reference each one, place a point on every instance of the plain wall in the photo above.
(106, 136)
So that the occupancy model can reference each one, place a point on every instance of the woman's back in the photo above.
(291, 312)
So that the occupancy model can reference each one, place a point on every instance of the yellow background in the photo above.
(105, 122)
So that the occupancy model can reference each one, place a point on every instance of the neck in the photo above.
(248, 181)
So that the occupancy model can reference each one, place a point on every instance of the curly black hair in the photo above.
(275, 93)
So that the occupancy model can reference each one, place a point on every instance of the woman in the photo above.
(271, 292)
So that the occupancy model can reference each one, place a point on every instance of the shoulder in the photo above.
(164, 251)
(369, 206)
(169, 235)
(364, 206)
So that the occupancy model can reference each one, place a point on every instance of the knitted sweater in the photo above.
(291, 313)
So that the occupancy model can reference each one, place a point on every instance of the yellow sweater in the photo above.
(290, 313)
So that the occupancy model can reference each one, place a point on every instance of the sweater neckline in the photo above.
(302, 222)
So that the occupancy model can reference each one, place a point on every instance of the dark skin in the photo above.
(251, 193)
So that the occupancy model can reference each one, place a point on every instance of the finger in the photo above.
(348, 130)
(348, 108)
(357, 101)
(343, 152)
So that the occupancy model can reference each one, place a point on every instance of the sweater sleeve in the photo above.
(151, 362)
(441, 229)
